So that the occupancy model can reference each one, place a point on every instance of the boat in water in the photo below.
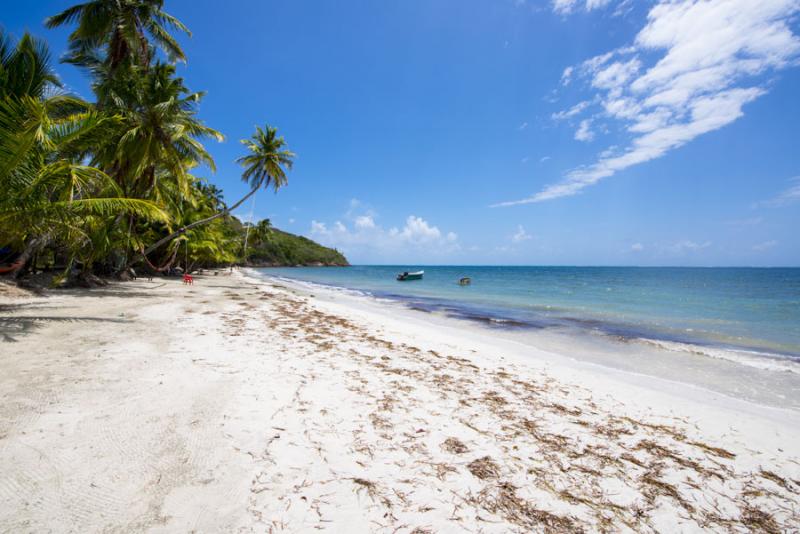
(402, 277)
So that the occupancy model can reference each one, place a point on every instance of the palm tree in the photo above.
(93, 182)
(265, 166)
(212, 243)
(156, 143)
(25, 67)
(48, 192)
(263, 229)
(159, 128)
(120, 29)
(159, 135)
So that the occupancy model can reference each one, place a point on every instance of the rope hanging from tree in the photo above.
(166, 266)
(247, 229)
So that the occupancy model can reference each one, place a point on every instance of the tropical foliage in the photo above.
(98, 187)
(271, 246)
(49, 195)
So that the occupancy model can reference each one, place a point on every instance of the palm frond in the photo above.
(68, 16)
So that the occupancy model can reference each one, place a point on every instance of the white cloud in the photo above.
(291, 221)
(521, 235)
(522, 126)
(365, 221)
(545, 158)
(524, 160)
(614, 77)
(766, 245)
(682, 248)
(623, 8)
(584, 132)
(595, 4)
(571, 112)
(418, 231)
(355, 206)
(318, 228)
(686, 245)
(690, 70)
(565, 7)
(609, 151)
(370, 240)
(566, 76)
(788, 196)
(594, 63)
(751, 221)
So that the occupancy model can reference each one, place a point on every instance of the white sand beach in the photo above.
(243, 405)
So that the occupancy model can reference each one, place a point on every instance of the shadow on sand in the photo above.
(13, 322)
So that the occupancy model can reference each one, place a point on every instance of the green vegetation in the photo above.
(99, 187)
(269, 246)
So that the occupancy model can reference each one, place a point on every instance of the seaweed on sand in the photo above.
(454, 446)
(502, 499)
(484, 468)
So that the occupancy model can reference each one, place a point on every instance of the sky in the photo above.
(526, 132)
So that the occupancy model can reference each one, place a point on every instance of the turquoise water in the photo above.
(746, 309)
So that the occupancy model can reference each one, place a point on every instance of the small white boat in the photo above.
(402, 277)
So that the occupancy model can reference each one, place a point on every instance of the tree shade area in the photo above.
(103, 187)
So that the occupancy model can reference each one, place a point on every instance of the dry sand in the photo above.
(236, 406)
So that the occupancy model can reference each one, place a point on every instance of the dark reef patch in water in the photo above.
(535, 320)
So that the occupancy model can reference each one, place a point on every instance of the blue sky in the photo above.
(580, 132)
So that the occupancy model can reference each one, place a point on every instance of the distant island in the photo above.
(271, 247)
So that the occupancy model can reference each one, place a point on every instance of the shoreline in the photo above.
(511, 315)
(773, 380)
(243, 403)
(523, 351)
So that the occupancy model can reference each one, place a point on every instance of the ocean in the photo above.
(752, 312)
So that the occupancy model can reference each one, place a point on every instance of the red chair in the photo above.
(188, 279)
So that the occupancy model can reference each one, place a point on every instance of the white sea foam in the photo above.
(750, 358)
(314, 286)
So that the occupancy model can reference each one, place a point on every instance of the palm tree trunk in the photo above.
(30, 249)
(184, 229)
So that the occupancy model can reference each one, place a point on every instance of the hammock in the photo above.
(164, 267)
(13, 267)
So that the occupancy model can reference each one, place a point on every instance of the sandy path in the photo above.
(232, 406)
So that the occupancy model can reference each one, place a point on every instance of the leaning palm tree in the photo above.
(265, 166)
(120, 29)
